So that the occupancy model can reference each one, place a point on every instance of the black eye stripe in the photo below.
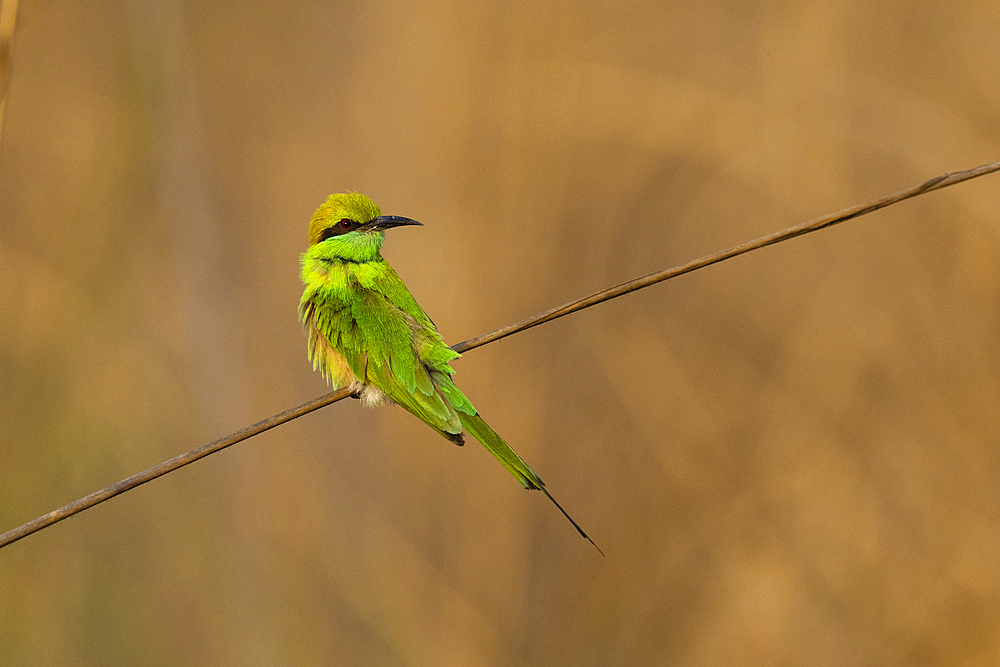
(342, 227)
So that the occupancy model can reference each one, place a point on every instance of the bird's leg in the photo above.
(357, 388)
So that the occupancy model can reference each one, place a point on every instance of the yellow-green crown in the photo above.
(350, 205)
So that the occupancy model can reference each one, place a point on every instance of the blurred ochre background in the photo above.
(793, 457)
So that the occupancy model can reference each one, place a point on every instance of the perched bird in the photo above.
(366, 331)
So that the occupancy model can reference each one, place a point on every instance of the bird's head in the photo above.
(352, 217)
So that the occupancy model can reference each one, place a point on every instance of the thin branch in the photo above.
(935, 183)
(547, 316)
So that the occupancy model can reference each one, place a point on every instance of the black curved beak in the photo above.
(384, 222)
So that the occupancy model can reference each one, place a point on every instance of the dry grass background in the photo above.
(791, 457)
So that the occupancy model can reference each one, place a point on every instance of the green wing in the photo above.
(389, 342)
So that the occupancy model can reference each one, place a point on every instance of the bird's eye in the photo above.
(341, 227)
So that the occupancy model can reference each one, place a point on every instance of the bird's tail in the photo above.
(509, 459)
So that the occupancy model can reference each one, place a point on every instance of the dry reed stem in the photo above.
(182, 460)
(8, 19)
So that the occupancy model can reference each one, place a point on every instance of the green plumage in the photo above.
(365, 330)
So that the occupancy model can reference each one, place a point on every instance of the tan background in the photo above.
(791, 457)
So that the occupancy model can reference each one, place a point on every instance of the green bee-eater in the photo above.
(365, 330)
